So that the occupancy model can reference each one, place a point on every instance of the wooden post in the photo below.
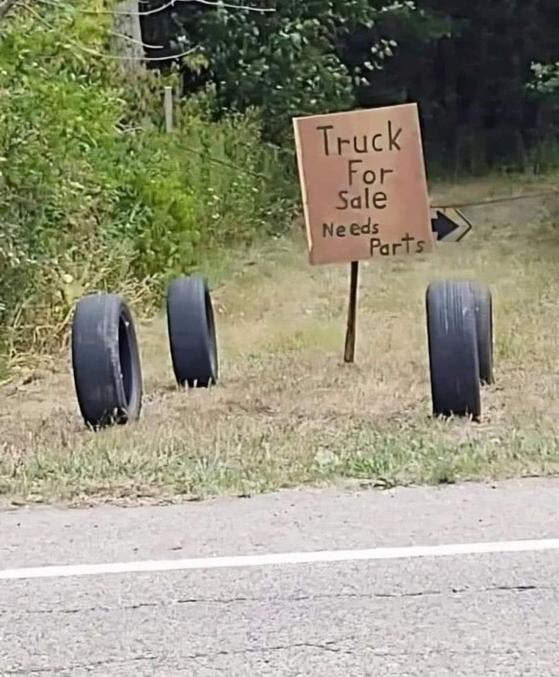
(168, 104)
(349, 353)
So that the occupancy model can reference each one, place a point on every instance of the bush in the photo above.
(93, 193)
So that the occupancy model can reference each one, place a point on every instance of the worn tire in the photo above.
(106, 361)
(192, 335)
(453, 350)
(483, 305)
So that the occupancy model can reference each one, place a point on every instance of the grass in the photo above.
(287, 410)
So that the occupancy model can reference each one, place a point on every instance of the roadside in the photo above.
(291, 520)
(287, 411)
(461, 613)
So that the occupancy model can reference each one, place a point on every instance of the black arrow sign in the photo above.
(444, 227)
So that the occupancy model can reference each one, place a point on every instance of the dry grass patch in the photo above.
(287, 411)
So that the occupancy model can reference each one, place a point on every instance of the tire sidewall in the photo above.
(131, 408)
(96, 364)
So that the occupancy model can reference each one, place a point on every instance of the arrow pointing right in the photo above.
(446, 229)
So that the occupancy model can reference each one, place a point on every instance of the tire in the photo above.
(192, 335)
(483, 305)
(106, 361)
(453, 350)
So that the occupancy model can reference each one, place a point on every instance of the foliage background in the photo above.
(94, 194)
(468, 64)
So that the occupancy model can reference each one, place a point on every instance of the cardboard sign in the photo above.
(363, 184)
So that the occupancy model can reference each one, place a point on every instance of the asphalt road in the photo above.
(473, 614)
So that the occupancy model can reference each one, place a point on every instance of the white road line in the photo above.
(278, 559)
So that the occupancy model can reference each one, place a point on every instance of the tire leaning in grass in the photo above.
(192, 335)
(106, 361)
(483, 306)
(453, 349)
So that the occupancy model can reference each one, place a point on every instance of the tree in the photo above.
(289, 61)
(545, 80)
(470, 81)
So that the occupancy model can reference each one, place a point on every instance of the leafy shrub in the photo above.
(93, 193)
